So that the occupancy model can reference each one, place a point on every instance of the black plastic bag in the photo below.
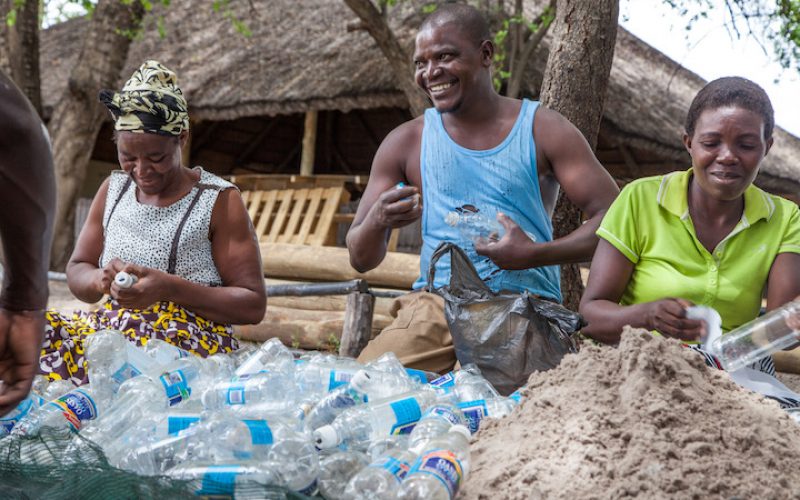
(507, 335)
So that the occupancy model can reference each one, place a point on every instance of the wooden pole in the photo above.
(357, 329)
(309, 143)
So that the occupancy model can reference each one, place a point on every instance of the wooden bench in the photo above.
(304, 216)
(301, 216)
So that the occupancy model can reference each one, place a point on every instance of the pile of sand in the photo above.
(647, 419)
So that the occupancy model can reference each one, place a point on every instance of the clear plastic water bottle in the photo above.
(112, 359)
(219, 439)
(271, 355)
(337, 401)
(259, 388)
(441, 469)
(357, 426)
(69, 411)
(474, 226)
(9, 420)
(382, 478)
(437, 421)
(365, 386)
(298, 463)
(243, 481)
(181, 377)
(336, 470)
(477, 410)
(164, 352)
(316, 379)
(470, 385)
(138, 397)
(759, 338)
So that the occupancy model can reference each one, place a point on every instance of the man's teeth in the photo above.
(440, 87)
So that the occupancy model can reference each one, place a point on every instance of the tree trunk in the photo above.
(575, 84)
(399, 60)
(19, 49)
(78, 116)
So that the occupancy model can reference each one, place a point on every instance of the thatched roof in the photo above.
(301, 56)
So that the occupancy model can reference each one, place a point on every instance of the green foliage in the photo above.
(429, 8)
(502, 46)
(224, 7)
(11, 16)
(334, 343)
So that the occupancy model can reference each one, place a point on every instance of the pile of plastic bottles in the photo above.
(312, 423)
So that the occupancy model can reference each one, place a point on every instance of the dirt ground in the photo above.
(62, 300)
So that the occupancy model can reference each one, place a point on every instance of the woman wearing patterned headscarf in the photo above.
(183, 233)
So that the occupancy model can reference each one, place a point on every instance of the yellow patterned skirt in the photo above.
(62, 355)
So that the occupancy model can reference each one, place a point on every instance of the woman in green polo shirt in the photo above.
(705, 236)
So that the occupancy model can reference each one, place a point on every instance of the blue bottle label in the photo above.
(176, 424)
(397, 468)
(474, 412)
(516, 396)
(260, 433)
(9, 421)
(406, 415)
(418, 375)
(444, 466)
(125, 372)
(338, 378)
(443, 412)
(76, 406)
(219, 480)
(175, 386)
(235, 395)
(446, 382)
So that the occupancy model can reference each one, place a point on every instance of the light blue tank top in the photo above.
(503, 179)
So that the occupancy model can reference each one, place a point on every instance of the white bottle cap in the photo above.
(124, 280)
(460, 429)
(326, 437)
(360, 380)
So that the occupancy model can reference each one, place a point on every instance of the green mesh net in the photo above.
(54, 466)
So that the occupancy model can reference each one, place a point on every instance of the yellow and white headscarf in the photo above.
(150, 102)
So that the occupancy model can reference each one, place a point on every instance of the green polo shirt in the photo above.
(650, 224)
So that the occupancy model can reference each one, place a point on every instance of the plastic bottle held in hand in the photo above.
(336, 470)
(9, 420)
(776, 330)
(69, 411)
(357, 426)
(474, 226)
(440, 470)
(382, 478)
(125, 280)
(437, 421)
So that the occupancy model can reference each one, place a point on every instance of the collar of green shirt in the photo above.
(673, 196)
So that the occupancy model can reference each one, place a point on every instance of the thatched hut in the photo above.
(250, 96)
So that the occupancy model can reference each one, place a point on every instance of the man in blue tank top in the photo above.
(473, 150)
